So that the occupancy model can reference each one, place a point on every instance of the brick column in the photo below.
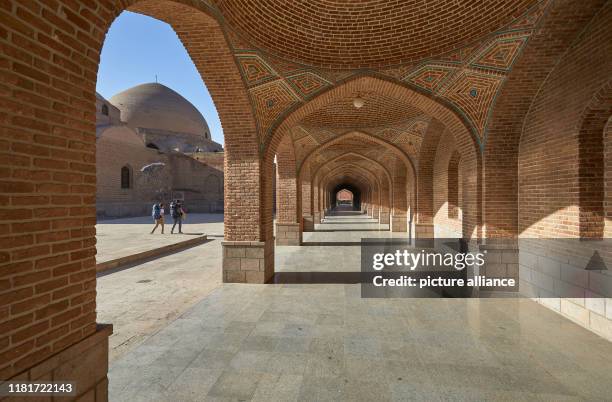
(307, 203)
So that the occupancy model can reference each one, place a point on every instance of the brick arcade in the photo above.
(480, 123)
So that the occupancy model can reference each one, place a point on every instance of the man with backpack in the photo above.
(177, 212)
(158, 216)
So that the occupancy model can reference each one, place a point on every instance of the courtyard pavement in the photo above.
(118, 238)
(316, 342)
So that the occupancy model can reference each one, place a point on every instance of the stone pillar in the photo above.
(288, 234)
(399, 223)
(317, 217)
(248, 261)
(308, 223)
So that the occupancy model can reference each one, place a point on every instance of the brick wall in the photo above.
(563, 21)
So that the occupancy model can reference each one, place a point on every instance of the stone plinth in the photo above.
(399, 223)
(248, 261)
(384, 217)
(85, 364)
(424, 234)
(308, 223)
(501, 261)
(288, 234)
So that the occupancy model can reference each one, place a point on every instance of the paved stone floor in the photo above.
(315, 342)
(120, 237)
(142, 300)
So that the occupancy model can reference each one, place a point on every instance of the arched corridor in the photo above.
(480, 129)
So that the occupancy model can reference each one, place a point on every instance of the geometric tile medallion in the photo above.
(474, 93)
(270, 101)
(307, 83)
(429, 77)
(500, 54)
(255, 70)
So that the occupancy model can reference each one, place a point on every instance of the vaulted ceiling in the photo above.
(293, 52)
(351, 34)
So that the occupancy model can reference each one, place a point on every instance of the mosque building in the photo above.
(153, 145)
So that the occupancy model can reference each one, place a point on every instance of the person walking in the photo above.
(176, 210)
(158, 216)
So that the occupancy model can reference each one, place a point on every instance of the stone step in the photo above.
(149, 254)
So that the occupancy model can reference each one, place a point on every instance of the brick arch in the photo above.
(349, 168)
(468, 142)
(345, 193)
(362, 179)
(592, 162)
(385, 188)
(372, 182)
(53, 51)
(465, 135)
(369, 181)
(558, 28)
(556, 195)
(367, 137)
(370, 178)
(323, 185)
(348, 186)
(353, 153)
(212, 55)
(411, 188)
(384, 204)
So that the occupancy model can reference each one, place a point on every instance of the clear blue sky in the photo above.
(139, 47)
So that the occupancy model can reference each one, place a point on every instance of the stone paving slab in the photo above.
(322, 341)
(383, 350)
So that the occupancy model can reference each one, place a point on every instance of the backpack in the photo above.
(175, 210)
(156, 213)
